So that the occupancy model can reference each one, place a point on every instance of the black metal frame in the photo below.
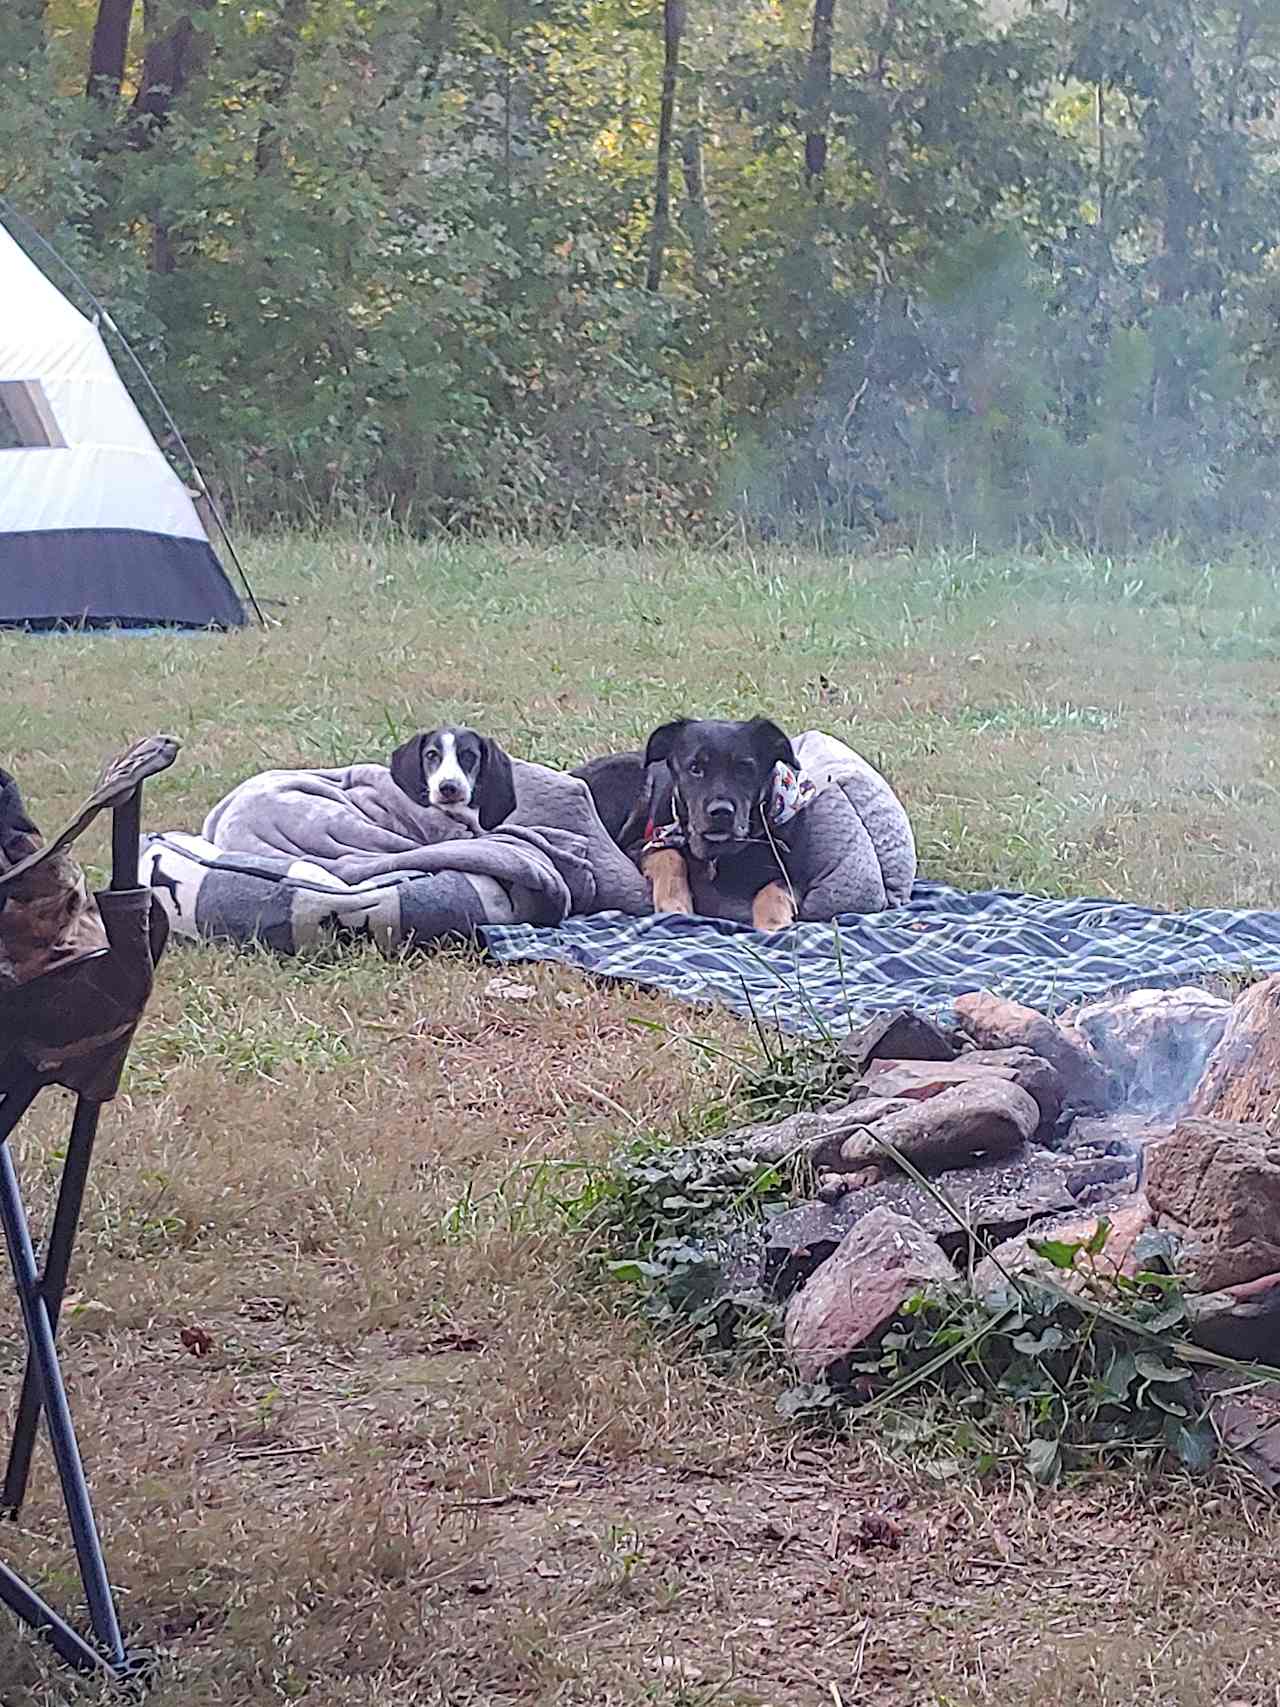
(40, 1294)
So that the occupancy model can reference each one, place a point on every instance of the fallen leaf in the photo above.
(877, 1530)
(76, 1304)
(197, 1341)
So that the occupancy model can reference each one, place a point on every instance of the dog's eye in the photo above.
(431, 755)
(697, 768)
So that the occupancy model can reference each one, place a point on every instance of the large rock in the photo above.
(1015, 1258)
(813, 1135)
(994, 1023)
(1247, 1421)
(800, 1240)
(994, 1200)
(1241, 1321)
(985, 1117)
(1242, 1078)
(1100, 1152)
(919, 1080)
(1153, 1043)
(1217, 1183)
(1094, 1181)
(1122, 1133)
(853, 1297)
(900, 1036)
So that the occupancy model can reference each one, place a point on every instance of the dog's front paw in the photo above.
(669, 879)
(774, 908)
(674, 901)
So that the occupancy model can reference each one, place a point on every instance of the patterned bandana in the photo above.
(789, 794)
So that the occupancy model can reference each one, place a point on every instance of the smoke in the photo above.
(1016, 397)
(1155, 1044)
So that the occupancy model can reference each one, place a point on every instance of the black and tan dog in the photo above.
(711, 801)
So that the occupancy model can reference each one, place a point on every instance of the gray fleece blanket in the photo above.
(293, 858)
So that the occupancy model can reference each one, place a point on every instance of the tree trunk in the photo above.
(672, 31)
(1100, 110)
(1180, 118)
(697, 214)
(109, 48)
(172, 58)
(1246, 29)
(818, 93)
(278, 61)
(438, 34)
(1242, 1079)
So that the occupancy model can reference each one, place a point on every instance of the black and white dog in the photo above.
(459, 772)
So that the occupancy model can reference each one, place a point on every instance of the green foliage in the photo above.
(993, 407)
(391, 256)
(773, 1075)
(1046, 1377)
(689, 1219)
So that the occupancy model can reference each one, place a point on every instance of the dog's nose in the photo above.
(720, 811)
(450, 792)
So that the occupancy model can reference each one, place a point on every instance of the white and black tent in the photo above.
(95, 527)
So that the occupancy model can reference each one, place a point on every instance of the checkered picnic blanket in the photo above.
(815, 978)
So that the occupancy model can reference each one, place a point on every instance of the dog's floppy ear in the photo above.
(656, 801)
(494, 797)
(406, 770)
(663, 740)
(771, 745)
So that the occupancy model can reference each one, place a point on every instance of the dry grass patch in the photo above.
(422, 1458)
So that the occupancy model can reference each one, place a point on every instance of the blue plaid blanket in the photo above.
(944, 943)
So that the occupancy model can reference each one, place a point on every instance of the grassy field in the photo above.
(426, 1461)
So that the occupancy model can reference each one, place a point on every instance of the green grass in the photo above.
(424, 1461)
(1050, 722)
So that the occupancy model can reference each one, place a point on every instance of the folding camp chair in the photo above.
(75, 976)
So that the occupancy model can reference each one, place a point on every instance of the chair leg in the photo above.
(40, 1616)
(53, 1285)
(19, 1094)
(126, 834)
(66, 1452)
